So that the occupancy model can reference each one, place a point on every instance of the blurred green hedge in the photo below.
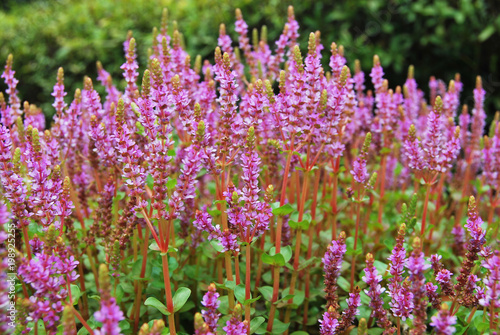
(439, 37)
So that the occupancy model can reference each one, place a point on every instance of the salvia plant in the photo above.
(259, 193)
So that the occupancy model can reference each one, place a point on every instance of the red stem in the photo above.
(247, 282)
(424, 214)
(168, 294)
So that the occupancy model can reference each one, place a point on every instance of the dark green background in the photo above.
(439, 37)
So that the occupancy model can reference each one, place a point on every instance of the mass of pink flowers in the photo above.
(260, 191)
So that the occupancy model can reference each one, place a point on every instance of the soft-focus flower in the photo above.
(443, 322)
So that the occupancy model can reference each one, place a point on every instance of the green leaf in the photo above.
(154, 246)
(150, 181)
(273, 260)
(298, 296)
(119, 293)
(255, 324)
(267, 292)
(135, 109)
(75, 293)
(364, 298)
(251, 301)
(380, 266)
(307, 263)
(350, 246)
(279, 327)
(385, 151)
(224, 304)
(124, 325)
(344, 284)
(285, 251)
(239, 293)
(171, 183)
(187, 307)
(140, 128)
(230, 284)
(172, 264)
(95, 297)
(135, 274)
(214, 212)
(486, 33)
(283, 210)
(300, 332)
(216, 245)
(153, 302)
(180, 298)
(375, 331)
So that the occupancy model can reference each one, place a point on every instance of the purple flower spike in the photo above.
(374, 292)
(399, 291)
(377, 74)
(465, 292)
(235, 326)
(416, 267)
(332, 263)
(492, 283)
(329, 323)
(14, 102)
(59, 93)
(130, 69)
(12, 181)
(211, 303)
(432, 295)
(349, 314)
(443, 322)
(359, 171)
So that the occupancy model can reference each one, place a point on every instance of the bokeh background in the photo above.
(438, 37)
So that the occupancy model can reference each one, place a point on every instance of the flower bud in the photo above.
(311, 47)
(372, 180)
(297, 57)
(438, 105)
(357, 66)
(157, 72)
(197, 111)
(411, 72)
(120, 111)
(36, 140)
(362, 327)
(176, 80)
(146, 84)
(366, 143)
(251, 137)
(255, 38)
(344, 74)
(197, 64)
(263, 34)
(104, 282)
(412, 133)
(282, 81)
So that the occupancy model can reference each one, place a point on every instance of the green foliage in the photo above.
(436, 36)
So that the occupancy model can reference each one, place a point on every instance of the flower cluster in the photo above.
(218, 188)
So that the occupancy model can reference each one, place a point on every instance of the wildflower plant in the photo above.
(239, 196)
